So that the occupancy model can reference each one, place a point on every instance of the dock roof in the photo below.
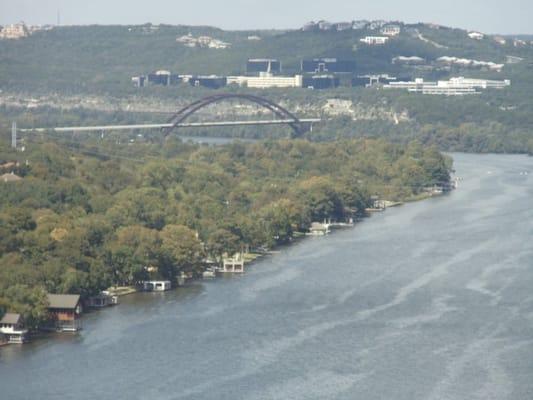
(68, 301)
(10, 318)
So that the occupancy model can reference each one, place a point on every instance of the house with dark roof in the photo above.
(65, 311)
(12, 327)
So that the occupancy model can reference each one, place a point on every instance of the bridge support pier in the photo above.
(14, 135)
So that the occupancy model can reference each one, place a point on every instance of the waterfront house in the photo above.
(157, 286)
(319, 229)
(65, 311)
(12, 327)
(104, 299)
(234, 265)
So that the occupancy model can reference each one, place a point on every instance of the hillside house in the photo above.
(375, 40)
(391, 30)
(11, 177)
(476, 35)
(14, 31)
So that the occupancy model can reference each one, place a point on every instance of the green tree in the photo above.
(180, 250)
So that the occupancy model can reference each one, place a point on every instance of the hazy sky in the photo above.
(490, 16)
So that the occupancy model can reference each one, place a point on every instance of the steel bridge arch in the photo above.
(181, 115)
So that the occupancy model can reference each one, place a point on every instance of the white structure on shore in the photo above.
(12, 327)
(267, 80)
(233, 265)
(157, 286)
(319, 229)
(454, 87)
(375, 40)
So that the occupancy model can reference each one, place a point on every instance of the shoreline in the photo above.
(124, 291)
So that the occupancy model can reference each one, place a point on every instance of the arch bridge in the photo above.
(178, 120)
(299, 126)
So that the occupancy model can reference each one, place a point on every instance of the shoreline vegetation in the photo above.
(83, 219)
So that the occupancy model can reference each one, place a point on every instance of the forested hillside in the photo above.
(80, 221)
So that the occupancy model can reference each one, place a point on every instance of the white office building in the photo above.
(454, 87)
(375, 40)
(479, 83)
(266, 81)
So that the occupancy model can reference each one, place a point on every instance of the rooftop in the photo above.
(10, 177)
(63, 300)
(11, 319)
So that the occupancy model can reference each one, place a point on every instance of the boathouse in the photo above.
(12, 327)
(234, 265)
(157, 286)
(65, 311)
(104, 299)
(319, 229)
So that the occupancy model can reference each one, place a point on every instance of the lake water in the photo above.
(432, 300)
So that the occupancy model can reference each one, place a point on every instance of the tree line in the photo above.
(80, 220)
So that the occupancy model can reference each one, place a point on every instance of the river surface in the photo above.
(432, 300)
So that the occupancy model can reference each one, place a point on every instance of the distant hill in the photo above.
(100, 61)
(81, 58)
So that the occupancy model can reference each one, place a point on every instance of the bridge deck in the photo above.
(159, 126)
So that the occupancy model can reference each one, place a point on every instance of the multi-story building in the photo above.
(320, 81)
(267, 80)
(159, 78)
(211, 82)
(375, 40)
(328, 65)
(454, 87)
(371, 80)
(479, 83)
(343, 26)
(376, 24)
(14, 31)
(258, 65)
